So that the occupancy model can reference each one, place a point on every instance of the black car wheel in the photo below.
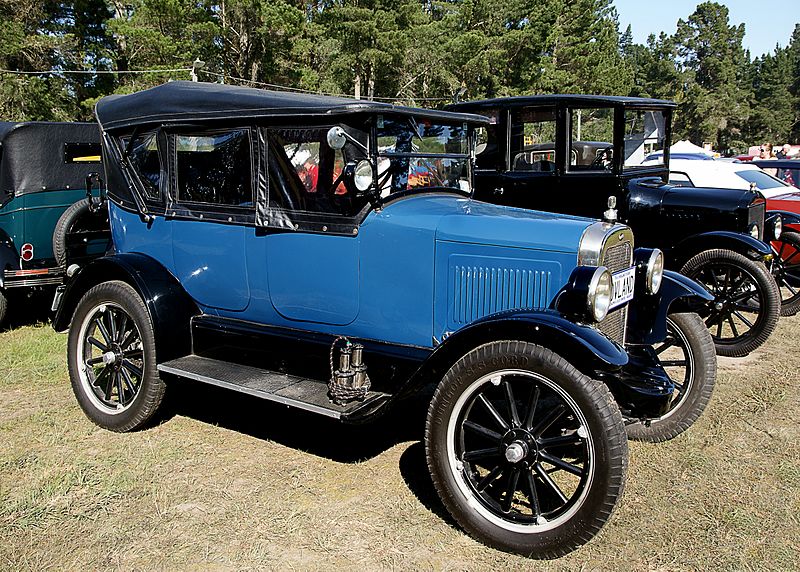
(688, 356)
(527, 454)
(786, 270)
(3, 307)
(746, 302)
(111, 358)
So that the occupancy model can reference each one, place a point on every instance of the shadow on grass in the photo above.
(295, 428)
(414, 470)
(26, 308)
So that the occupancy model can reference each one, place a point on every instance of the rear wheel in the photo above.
(746, 303)
(687, 355)
(112, 359)
(527, 454)
(786, 270)
(3, 307)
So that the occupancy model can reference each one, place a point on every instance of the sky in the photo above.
(766, 22)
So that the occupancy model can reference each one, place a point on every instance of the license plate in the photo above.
(624, 282)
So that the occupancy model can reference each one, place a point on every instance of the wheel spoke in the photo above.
(534, 496)
(668, 343)
(103, 331)
(733, 326)
(512, 404)
(484, 431)
(98, 379)
(97, 344)
(490, 478)
(129, 339)
(561, 463)
(94, 361)
(673, 363)
(548, 420)
(109, 386)
(480, 454)
(128, 380)
(120, 393)
(128, 364)
(123, 326)
(511, 490)
(742, 318)
(534, 401)
(573, 439)
(493, 412)
(549, 482)
(112, 324)
(719, 326)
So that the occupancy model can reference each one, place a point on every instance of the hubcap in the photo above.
(516, 452)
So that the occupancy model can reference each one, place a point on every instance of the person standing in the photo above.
(784, 152)
(765, 152)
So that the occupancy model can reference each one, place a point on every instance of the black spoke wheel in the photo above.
(527, 454)
(111, 358)
(746, 302)
(688, 357)
(786, 270)
(3, 306)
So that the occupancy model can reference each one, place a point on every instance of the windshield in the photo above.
(419, 154)
(645, 136)
(763, 181)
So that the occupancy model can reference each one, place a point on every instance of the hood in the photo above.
(454, 218)
(722, 199)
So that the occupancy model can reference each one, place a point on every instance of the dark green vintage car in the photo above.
(46, 218)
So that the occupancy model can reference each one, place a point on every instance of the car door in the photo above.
(211, 206)
(309, 248)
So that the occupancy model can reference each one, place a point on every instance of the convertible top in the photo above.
(32, 156)
(186, 101)
(562, 99)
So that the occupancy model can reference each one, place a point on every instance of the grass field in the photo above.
(228, 482)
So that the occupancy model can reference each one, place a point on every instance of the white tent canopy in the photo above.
(687, 146)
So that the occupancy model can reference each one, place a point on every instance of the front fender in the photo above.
(736, 241)
(170, 307)
(647, 315)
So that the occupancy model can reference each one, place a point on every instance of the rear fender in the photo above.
(736, 241)
(647, 317)
(170, 307)
(9, 259)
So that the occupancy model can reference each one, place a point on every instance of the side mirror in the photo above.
(336, 138)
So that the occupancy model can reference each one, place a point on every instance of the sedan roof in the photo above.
(186, 101)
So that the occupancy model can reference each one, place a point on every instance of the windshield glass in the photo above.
(645, 136)
(418, 154)
(762, 180)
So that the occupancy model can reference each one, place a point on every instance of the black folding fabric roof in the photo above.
(32, 157)
(186, 101)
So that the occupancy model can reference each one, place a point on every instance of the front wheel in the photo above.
(786, 270)
(527, 454)
(3, 306)
(687, 355)
(112, 358)
(746, 303)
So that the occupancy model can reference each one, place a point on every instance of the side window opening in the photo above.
(215, 168)
(487, 150)
(680, 179)
(81, 153)
(305, 174)
(143, 158)
(591, 139)
(533, 140)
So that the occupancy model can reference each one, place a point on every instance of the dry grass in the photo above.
(228, 482)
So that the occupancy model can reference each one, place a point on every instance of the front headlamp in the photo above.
(598, 298)
(754, 231)
(777, 227)
(654, 271)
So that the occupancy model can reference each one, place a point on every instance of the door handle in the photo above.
(499, 191)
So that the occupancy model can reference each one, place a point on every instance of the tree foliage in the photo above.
(419, 52)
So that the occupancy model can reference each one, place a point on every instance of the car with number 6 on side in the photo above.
(326, 254)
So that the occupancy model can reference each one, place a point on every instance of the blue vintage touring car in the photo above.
(325, 254)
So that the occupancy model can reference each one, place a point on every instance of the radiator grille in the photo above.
(755, 214)
(615, 258)
(482, 290)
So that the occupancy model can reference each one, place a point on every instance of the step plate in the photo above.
(303, 393)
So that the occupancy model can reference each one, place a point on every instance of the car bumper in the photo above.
(33, 277)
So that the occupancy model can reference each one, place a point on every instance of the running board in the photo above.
(307, 394)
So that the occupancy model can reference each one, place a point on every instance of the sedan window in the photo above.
(215, 168)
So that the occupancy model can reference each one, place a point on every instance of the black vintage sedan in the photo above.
(583, 155)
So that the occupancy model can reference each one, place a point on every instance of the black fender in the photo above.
(9, 258)
(736, 241)
(647, 315)
(788, 217)
(170, 307)
(583, 346)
